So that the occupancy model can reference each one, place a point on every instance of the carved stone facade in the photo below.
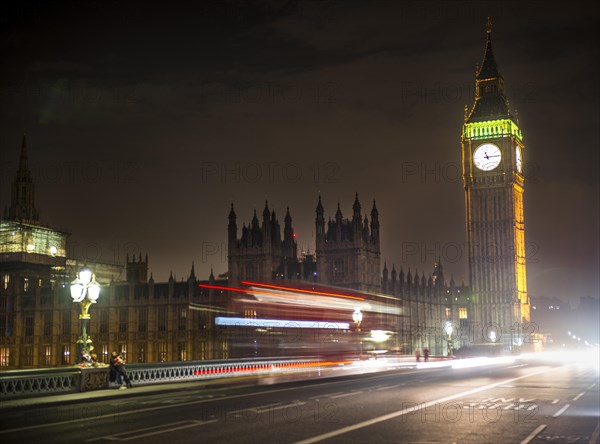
(348, 250)
(260, 254)
(492, 153)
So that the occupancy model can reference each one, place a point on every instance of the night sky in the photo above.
(145, 121)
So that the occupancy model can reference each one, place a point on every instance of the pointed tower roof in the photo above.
(266, 212)
(22, 203)
(490, 101)
(488, 68)
(255, 221)
(288, 217)
(356, 206)
(338, 213)
(374, 211)
(319, 207)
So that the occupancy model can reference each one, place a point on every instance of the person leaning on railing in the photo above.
(120, 365)
(117, 369)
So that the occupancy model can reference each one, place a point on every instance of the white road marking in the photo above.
(561, 411)
(517, 366)
(265, 408)
(166, 406)
(269, 409)
(591, 386)
(555, 401)
(328, 395)
(578, 396)
(402, 412)
(343, 395)
(534, 434)
(151, 431)
(387, 387)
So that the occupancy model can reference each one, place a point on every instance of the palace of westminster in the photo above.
(177, 320)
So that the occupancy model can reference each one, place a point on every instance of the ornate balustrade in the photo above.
(144, 374)
(21, 383)
(39, 382)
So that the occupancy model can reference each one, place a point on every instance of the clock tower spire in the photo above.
(22, 203)
(492, 148)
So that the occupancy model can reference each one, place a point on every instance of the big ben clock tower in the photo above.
(492, 156)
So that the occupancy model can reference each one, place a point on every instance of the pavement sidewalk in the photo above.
(111, 393)
(150, 389)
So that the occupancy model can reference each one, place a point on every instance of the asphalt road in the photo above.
(512, 402)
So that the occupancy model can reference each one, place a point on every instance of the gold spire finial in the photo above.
(488, 25)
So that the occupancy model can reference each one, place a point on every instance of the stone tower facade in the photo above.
(492, 158)
(261, 254)
(348, 251)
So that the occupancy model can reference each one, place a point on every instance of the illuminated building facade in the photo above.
(39, 323)
(32, 260)
(492, 158)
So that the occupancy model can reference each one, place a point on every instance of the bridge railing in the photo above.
(41, 382)
(48, 381)
(159, 373)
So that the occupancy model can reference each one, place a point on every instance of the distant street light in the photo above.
(449, 330)
(357, 318)
(85, 290)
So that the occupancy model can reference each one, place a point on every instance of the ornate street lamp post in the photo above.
(85, 290)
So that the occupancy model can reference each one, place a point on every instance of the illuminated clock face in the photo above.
(518, 159)
(487, 157)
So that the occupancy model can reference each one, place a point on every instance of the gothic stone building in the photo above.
(260, 254)
(348, 256)
(39, 323)
(348, 252)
